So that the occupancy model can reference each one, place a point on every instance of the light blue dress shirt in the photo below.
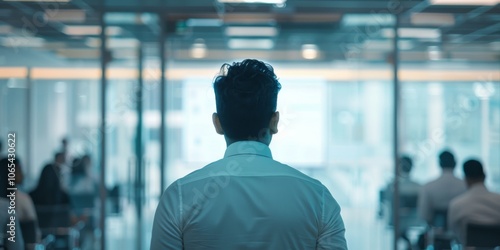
(247, 201)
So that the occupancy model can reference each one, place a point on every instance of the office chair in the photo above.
(483, 235)
(440, 219)
(28, 229)
(55, 223)
(438, 235)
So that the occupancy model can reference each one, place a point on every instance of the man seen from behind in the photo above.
(247, 200)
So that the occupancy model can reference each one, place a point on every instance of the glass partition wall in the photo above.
(337, 104)
(449, 98)
(49, 81)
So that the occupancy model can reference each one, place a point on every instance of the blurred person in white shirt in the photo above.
(477, 206)
(82, 179)
(437, 194)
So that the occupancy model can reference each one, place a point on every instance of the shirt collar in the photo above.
(447, 171)
(478, 187)
(248, 148)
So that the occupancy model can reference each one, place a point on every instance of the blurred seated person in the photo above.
(407, 187)
(49, 190)
(477, 205)
(25, 210)
(51, 201)
(437, 194)
(408, 190)
(83, 189)
(62, 169)
(16, 243)
(82, 180)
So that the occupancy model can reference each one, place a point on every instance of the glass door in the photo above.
(132, 133)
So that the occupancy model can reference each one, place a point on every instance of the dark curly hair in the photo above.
(246, 95)
(473, 169)
(406, 164)
(447, 159)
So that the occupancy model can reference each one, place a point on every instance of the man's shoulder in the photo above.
(442, 181)
(295, 173)
(200, 173)
(461, 200)
(494, 197)
(263, 167)
(431, 184)
(493, 194)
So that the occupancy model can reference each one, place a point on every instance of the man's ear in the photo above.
(216, 121)
(273, 124)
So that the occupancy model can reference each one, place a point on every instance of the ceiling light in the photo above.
(421, 33)
(204, 22)
(464, 2)
(237, 43)
(309, 51)
(254, 1)
(89, 30)
(82, 30)
(75, 16)
(22, 41)
(364, 19)
(199, 49)
(251, 31)
(248, 19)
(436, 19)
(387, 45)
(79, 53)
(113, 43)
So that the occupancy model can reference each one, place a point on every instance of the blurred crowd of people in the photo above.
(446, 207)
(64, 197)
